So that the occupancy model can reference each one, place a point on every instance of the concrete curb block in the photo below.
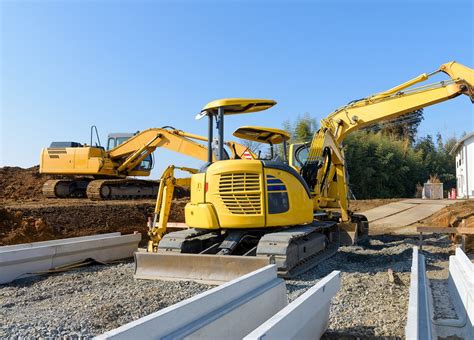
(461, 290)
(229, 311)
(419, 324)
(23, 260)
(305, 318)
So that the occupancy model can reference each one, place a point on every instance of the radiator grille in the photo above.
(240, 193)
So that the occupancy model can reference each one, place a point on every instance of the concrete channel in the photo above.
(22, 260)
(253, 306)
(421, 323)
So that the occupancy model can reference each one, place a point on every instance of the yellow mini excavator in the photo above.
(100, 173)
(248, 213)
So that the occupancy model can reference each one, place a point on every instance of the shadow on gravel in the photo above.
(377, 254)
(373, 263)
(31, 280)
(364, 332)
(386, 241)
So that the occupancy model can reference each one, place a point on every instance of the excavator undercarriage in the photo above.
(100, 189)
(294, 250)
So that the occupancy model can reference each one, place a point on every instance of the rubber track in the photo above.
(177, 239)
(49, 188)
(94, 188)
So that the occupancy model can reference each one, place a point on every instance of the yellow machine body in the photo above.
(85, 160)
(247, 194)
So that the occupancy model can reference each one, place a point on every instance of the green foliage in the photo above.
(302, 129)
(438, 160)
(381, 167)
(404, 127)
(387, 160)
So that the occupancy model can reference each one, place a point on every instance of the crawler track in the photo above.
(294, 250)
(64, 188)
(114, 189)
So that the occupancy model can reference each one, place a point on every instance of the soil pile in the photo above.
(460, 214)
(32, 222)
(27, 216)
(22, 184)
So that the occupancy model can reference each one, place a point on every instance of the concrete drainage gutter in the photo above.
(237, 309)
(420, 321)
(305, 318)
(23, 260)
(419, 324)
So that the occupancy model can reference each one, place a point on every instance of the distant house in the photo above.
(464, 151)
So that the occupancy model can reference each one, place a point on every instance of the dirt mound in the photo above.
(31, 223)
(27, 216)
(460, 214)
(21, 184)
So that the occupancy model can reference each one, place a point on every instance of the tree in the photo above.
(380, 167)
(303, 129)
(404, 127)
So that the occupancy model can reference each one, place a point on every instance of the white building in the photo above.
(464, 150)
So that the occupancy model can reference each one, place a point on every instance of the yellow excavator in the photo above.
(248, 213)
(100, 173)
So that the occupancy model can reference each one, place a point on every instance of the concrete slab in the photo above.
(400, 215)
(387, 210)
(404, 218)
(421, 201)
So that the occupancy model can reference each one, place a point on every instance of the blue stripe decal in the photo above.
(276, 188)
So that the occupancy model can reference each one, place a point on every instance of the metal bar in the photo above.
(446, 230)
(220, 115)
(210, 136)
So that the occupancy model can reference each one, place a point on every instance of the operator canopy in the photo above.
(262, 134)
(236, 106)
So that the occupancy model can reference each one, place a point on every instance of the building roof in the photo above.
(461, 141)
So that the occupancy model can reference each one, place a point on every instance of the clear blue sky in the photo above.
(127, 66)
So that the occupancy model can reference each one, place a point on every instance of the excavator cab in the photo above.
(268, 136)
(115, 139)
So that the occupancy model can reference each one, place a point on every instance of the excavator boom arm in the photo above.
(400, 100)
(137, 148)
(325, 159)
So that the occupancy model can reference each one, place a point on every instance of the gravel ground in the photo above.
(92, 300)
(85, 302)
(368, 304)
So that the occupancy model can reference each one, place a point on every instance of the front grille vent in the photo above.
(240, 193)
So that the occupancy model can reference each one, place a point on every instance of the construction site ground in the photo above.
(88, 301)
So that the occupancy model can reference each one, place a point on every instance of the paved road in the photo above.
(397, 215)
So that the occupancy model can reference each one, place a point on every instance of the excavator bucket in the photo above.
(209, 269)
